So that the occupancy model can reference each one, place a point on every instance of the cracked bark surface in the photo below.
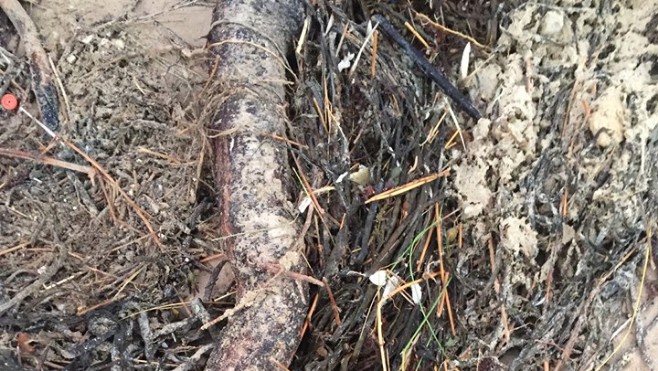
(250, 39)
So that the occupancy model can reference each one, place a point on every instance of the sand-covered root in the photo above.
(250, 38)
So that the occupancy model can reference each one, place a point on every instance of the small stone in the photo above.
(87, 39)
(552, 23)
(606, 122)
(119, 44)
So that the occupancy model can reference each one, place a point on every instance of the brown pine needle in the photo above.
(309, 316)
(442, 301)
(215, 65)
(434, 131)
(84, 310)
(407, 187)
(309, 190)
(425, 246)
(334, 306)
(564, 208)
(12, 249)
(327, 105)
(97, 167)
(46, 160)
(128, 281)
(425, 18)
(277, 269)
(451, 142)
(439, 243)
(405, 286)
(492, 255)
(285, 140)
(136, 208)
(460, 240)
(218, 256)
(320, 114)
(416, 34)
(172, 160)
(449, 307)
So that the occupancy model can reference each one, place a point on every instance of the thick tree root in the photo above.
(250, 38)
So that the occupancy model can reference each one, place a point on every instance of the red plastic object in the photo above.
(9, 102)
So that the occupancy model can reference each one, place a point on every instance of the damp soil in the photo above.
(529, 246)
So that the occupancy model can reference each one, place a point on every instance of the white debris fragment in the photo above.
(378, 278)
(466, 57)
(87, 39)
(416, 293)
(304, 204)
(346, 62)
(341, 177)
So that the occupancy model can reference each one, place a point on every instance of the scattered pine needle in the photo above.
(84, 310)
(373, 60)
(434, 131)
(407, 187)
(503, 312)
(213, 72)
(451, 141)
(334, 306)
(416, 34)
(460, 239)
(115, 185)
(327, 106)
(15, 248)
(128, 281)
(439, 247)
(449, 307)
(46, 160)
(218, 256)
(425, 246)
(308, 189)
(309, 316)
(320, 115)
(564, 204)
(425, 18)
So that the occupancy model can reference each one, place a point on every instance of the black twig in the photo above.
(419, 59)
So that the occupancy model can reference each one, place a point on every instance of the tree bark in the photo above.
(250, 39)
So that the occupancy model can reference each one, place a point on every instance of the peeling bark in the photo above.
(250, 39)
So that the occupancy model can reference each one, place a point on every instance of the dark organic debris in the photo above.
(419, 60)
